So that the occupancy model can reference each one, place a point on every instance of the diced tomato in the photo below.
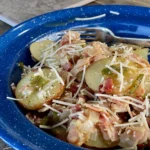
(148, 144)
(76, 108)
(108, 85)
(140, 98)
(76, 58)
(141, 146)
(89, 90)
(63, 42)
(101, 90)
(102, 118)
(86, 54)
(73, 89)
(124, 116)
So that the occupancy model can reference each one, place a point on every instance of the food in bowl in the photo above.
(88, 94)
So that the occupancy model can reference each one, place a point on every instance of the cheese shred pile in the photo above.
(79, 89)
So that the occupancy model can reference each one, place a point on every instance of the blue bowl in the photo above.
(15, 129)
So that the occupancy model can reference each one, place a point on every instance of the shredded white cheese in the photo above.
(114, 12)
(82, 80)
(45, 127)
(36, 65)
(120, 130)
(120, 99)
(113, 70)
(75, 114)
(129, 111)
(50, 59)
(51, 108)
(70, 98)
(146, 105)
(58, 76)
(69, 37)
(43, 109)
(68, 77)
(80, 50)
(144, 120)
(114, 58)
(107, 109)
(135, 118)
(72, 57)
(130, 67)
(88, 93)
(134, 60)
(51, 46)
(68, 85)
(129, 148)
(12, 98)
(82, 117)
(127, 124)
(41, 72)
(63, 103)
(105, 117)
(128, 131)
(54, 126)
(120, 75)
(91, 18)
(43, 59)
(48, 85)
(132, 99)
(41, 95)
(66, 46)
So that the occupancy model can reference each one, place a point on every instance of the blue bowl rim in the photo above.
(7, 138)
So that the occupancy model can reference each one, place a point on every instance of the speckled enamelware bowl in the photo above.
(15, 129)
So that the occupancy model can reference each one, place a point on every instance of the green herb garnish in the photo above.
(136, 84)
(38, 81)
(108, 72)
(21, 65)
(60, 133)
(45, 120)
